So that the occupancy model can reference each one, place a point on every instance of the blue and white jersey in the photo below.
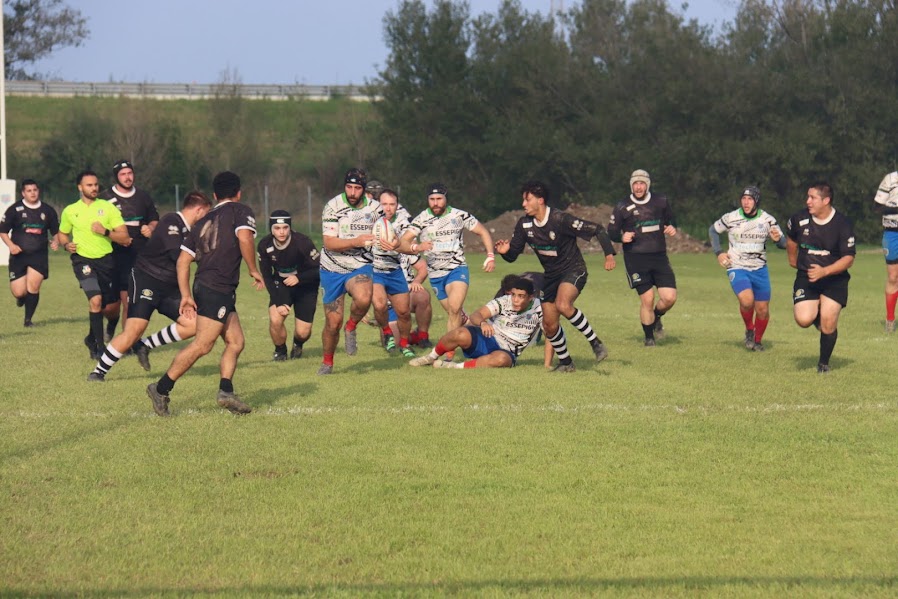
(747, 237)
(343, 220)
(514, 331)
(445, 232)
(887, 195)
(388, 261)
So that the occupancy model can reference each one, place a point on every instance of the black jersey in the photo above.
(300, 257)
(213, 243)
(536, 278)
(160, 256)
(28, 227)
(821, 243)
(555, 241)
(647, 218)
(138, 209)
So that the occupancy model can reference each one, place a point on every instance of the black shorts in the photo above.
(835, 288)
(95, 277)
(147, 295)
(577, 278)
(19, 263)
(124, 262)
(304, 299)
(213, 304)
(645, 271)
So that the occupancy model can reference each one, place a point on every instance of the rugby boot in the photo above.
(352, 344)
(425, 343)
(143, 355)
(296, 352)
(757, 346)
(749, 339)
(279, 356)
(390, 344)
(659, 328)
(422, 361)
(599, 349)
(160, 402)
(96, 377)
(890, 326)
(650, 342)
(822, 368)
(407, 352)
(563, 368)
(232, 403)
(326, 369)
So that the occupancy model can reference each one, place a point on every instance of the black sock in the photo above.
(110, 326)
(281, 349)
(226, 385)
(649, 330)
(827, 345)
(298, 342)
(659, 313)
(165, 385)
(96, 329)
(31, 300)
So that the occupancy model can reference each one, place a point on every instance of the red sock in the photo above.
(760, 327)
(403, 342)
(387, 331)
(422, 335)
(747, 317)
(350, 325)
(470, 364)
(891, 300)
(414, 338)
(440, 349)
(328, 359)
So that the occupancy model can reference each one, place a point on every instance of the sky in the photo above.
(320, 42)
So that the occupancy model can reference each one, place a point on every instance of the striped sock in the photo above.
(167, 335)
(579, 320)
(559, 344)
(107, 360)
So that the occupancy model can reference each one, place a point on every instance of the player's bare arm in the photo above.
(792, 252)
(817, 272)
(245, 239)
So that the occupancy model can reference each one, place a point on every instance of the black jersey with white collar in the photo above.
(646, 218)
(821, 242)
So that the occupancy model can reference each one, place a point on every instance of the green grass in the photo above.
(694, 468)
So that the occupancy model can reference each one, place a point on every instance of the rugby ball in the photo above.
(383, 230)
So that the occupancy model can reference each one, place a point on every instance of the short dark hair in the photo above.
(29, 182)
(537, 189)
(523, 284)
(225, 185)
(508, 282)
(196, 198)
(85, 173)
(826, 190)
(391, 192)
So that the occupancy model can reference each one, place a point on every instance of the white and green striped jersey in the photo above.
(388, 261)
(747, 237)
(512, 330)
(343, 220)
(887, 195)
(445, 232)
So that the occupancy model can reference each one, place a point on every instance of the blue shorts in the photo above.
(439, 283)
(756, 280)
(393, 282)
(482, 346)
(391, 315)
(334, 284)
(890, 246)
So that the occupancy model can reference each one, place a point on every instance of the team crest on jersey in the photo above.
(221, 312)
(251, 220)
(43, 216)
(313, 254)
(552, 235)
(173, 230)
(85, 269)
(806, 232)
(146, 294)
(100, 212)
(851, 242)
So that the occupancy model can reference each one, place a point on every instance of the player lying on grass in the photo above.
(495, 335)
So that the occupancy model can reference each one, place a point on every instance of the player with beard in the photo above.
(821, 246)
(640, 222)
(438, 233)
(885, 203)
(93, 225)
(497, 334)
(154, 288)
(24, 228)
(290, 265)
(749, 227)
(346, 263)
(140, 215)
(553, 236)
(218, 243)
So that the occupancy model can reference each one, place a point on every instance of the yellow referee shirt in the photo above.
(78, 217)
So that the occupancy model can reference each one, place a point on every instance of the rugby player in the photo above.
(437, 233)
(141, 217)
(290, 263)
(552, 234)
(93, 225)
(748, 227)
(640, 222)
(24, 228)
(153, 287)
(820, 245)
(218, 242)
(346, 263)
(496, 334)
(886, 204)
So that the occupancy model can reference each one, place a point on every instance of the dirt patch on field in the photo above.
(503, 226)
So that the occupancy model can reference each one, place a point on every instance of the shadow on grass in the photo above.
(809, 363)
(653, 585)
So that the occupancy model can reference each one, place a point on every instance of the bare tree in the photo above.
(33, 29)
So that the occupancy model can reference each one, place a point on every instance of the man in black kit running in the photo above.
(640, 222)
(820, 245)
(218, 242)
(552, 234)
(290, 265)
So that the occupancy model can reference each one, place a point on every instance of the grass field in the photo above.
(694, 468)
